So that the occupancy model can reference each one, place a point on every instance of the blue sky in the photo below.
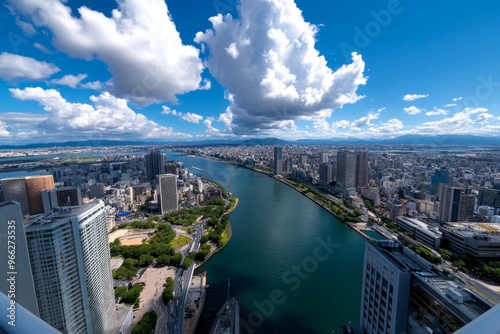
(192, 70)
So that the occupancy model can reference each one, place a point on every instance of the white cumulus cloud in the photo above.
(107, 116)
(192, 118)
(461, 122)
(69, 80)
(413, 110)
(14, 66)
(267, 60)
(139, 43)
(436, 112)
(413, 97)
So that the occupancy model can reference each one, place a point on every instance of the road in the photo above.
(183, 278)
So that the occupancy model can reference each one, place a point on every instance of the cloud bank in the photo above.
(14, 66)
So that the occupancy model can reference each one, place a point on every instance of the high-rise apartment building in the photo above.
(70, 261)
(34, 186)
(456, 205)
(16, 272)
(64, 196)
(303, 159)
(278, 161)
(155, 164)
(167, 196)
(346, 169)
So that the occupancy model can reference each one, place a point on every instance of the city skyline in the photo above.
(308, 70)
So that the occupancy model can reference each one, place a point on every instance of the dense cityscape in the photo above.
(430, 214)
(249, 166)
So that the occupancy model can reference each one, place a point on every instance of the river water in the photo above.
(293, 267)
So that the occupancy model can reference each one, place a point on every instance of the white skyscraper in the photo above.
(13, 243)
(166, 188)
(70, 261)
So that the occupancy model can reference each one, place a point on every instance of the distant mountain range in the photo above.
(440, 140)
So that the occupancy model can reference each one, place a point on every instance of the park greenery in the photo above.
(168, 293)
(129, 296)
(147, 324)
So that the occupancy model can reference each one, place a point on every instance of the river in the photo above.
(293, 267)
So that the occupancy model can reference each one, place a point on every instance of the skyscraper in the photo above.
(385, 292)
(489, 197)
(155, 164)
(13, 242)
(166, 189)
(440, 176)
(361, 169)
(456, 205)
(346, 169)
(34, 187)
(324, 157)
(14, 189)
(70, 261)
(278, 161)
(403, 293)
(325, 173)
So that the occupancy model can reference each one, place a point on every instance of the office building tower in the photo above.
(361, 169)
(155, 164)
(170, 168)
(14, 189)
(70, 261)
(278, 161)
(34, 187)
(64, 196)
(13, 243)
(303, 159)
(96, 191)
(440, 176)
(325, 173)
(346, 169)
(287, 166)
(166, 189)
(489, 197)
(324, 157)
(403, 293)
(384, 294)
(456, 205)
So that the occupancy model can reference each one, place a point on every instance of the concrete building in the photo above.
(12, 230)
(278, 161)
(34, 187)
(155, 164)
(96, 190)
(324, 157)
(456, 205)
(403, 293)
(64, 196)
(478, 240)
(167, 195)
(70, 261)
(420, 231)
(385, 292)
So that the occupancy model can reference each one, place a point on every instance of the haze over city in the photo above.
(195, 70)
